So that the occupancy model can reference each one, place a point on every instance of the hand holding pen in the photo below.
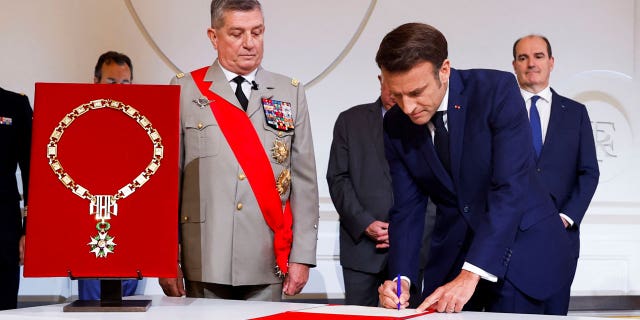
(390, 297)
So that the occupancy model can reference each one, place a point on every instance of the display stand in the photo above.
(110, 299)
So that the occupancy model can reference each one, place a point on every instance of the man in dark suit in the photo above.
(563, 141)
(474, 159)
(360, 187)
(15, 147)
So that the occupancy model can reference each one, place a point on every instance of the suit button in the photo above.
(315, 226)
(241, 176)
(538, 169)
(200, 125)
(466, 209)
(239, 206)
(185, 218)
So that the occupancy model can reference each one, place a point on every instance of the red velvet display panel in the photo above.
(103, 150)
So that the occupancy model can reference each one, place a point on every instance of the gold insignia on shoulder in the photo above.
(180, 75)
(284, 180)
(295, 82)
(280, 151)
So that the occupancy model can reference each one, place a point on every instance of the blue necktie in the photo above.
(536, 128)
(441, 140)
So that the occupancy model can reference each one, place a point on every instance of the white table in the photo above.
(192, 309)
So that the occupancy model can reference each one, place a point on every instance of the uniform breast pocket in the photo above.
(202, 139)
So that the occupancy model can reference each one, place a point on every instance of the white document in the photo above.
(363, 311)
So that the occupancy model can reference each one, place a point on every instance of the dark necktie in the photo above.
(239, 93)
(536, 128)
(441, 140)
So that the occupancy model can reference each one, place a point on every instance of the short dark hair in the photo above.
(535, 36)
(219, 7)
(410, 44)
(110, 57)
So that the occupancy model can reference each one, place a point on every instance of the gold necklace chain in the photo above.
(103, 206)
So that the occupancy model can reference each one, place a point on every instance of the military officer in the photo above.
(249, 198)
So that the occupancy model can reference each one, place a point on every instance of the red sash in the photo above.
(249, 151)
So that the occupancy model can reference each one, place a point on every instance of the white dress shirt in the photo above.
(543, 105)
(246, 85)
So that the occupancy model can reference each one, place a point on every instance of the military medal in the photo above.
(284, 180)
(104, 206)
(102, 243)
(279, 152)
(278, 114)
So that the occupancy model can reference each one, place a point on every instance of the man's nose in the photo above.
(248, 41)
(407, 105)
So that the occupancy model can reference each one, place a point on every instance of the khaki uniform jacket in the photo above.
(224, 236)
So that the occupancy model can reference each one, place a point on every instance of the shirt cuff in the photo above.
(566, 217)
(405, 278)
(483, 274)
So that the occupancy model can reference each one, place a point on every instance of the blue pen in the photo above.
(399, 290)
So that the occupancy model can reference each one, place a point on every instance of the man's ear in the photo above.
(445, 71)
(213, 37)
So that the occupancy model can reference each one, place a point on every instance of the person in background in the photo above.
(462, 139)
(565, 150)
(112, 68)
(360, 187)
(16, 117)
(249, 196)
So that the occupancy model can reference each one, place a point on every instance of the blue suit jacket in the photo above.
(568, 166)
(492, 211)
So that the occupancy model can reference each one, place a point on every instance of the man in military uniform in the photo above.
(249, 198)
(15, 145)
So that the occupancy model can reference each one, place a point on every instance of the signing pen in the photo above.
(399, 289)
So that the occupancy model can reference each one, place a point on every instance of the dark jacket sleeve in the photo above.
(25, 114)
(587, 173)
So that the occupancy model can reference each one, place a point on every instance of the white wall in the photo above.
(596, 45)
